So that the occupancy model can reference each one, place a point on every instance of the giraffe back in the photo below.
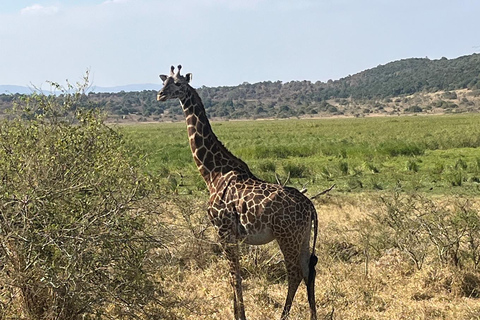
(258, 212)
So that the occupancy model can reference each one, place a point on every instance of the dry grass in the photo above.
(195, 284)
(387, 287)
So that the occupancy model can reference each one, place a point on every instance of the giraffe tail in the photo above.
(313, 258)
(311, 270)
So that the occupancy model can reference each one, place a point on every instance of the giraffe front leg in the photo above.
(232, 253)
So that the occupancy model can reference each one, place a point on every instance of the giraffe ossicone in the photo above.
(244, 208)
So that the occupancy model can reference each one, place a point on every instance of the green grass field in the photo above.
(433, 154)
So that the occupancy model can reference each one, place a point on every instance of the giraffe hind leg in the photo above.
(300, 264)
(296, 261)
(294, 280)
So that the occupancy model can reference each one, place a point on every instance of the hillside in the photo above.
(416, 85)
(410, 76)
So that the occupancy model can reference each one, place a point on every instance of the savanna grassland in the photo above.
(104, 221)
(399, 235)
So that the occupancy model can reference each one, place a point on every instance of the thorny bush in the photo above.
(74, 237)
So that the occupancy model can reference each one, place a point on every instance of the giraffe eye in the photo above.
(177, 84)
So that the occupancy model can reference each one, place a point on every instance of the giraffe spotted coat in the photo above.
(244, 208)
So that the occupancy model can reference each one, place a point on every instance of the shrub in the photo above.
(73, 235)
(406, 227)
(419, 227)
(414, 109)
(450, 95)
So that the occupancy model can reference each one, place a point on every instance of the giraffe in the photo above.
(242, 207)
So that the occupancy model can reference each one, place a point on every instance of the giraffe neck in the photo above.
(212, 158)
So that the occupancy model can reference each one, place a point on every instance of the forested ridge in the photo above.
(410, 85)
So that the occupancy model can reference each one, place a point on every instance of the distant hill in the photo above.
(409, 76)
(10, 89)
(126, 88)
(415, 85)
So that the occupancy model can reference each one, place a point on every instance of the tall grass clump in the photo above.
(455, 177)
(477, 164)
(274, 151)
(396, 148)
(295, 170)
(412, 165)
(343, 167)
(74, 238)
(267, 166)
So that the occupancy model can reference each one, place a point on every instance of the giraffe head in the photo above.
(174, 86)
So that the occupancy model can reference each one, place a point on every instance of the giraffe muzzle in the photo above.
(161, 97)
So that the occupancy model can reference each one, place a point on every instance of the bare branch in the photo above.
(323, 192)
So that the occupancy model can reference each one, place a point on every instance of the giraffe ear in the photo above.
(163, 77)
(188, 77)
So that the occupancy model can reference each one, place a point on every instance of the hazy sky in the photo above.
(225, 42)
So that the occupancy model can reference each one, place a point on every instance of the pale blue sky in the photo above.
(225, 42)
